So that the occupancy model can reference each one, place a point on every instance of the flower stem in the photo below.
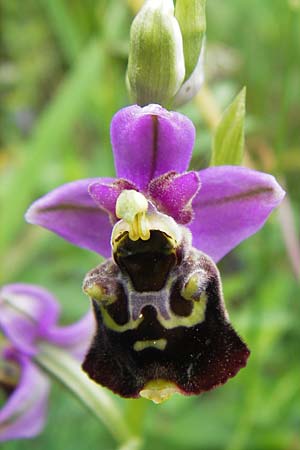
(67, 370)
(132, 444)
(135, 414)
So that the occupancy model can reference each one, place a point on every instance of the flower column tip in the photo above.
(132, 206)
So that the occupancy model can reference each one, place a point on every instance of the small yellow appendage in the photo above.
(99, 293)
(192, 289)
(159, 390)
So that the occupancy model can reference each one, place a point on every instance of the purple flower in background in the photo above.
(28, 318)
(162, 323)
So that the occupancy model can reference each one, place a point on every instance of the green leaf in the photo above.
(65, 28)
(53, 128)
(228, 143)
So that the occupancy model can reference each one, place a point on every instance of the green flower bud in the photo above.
(166, 52)
(156, 60)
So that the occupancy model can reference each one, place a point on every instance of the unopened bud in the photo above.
(156, 60)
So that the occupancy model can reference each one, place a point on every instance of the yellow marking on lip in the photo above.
(110, 323)
(197, 316)
(160, 344)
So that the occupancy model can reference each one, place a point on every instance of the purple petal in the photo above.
(24, 414)
(106, 195)
(173, 194)
(150, 141)
(233, 203)
(26, 313)
(70, 212)
(75, 338)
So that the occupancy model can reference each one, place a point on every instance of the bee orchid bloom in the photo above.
(28, 318)
(162, 323)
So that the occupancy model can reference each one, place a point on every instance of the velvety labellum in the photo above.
(160, 316)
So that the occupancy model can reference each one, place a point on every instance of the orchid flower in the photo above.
(162, 326)
(28, 318)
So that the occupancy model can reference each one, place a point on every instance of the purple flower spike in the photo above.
(233, 203)
(24, 413)
(150, 141)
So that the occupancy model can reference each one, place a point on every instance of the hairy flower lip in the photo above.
(215, 351)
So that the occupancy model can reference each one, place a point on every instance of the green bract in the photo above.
(228, 144)
(165, 63)
(191, 18)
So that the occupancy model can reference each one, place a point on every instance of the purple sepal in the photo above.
(70, 212)
(150, 141)
(232, 204)
(173, 193)
(24, 413)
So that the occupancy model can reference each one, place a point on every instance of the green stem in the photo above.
(133, 444)
(67, 370)
(135, 414)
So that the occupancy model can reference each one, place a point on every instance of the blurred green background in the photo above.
(62, 74)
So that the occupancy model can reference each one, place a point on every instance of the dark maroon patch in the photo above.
(178, 304)
(196, 358)
(147, 263)
(119, 309)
